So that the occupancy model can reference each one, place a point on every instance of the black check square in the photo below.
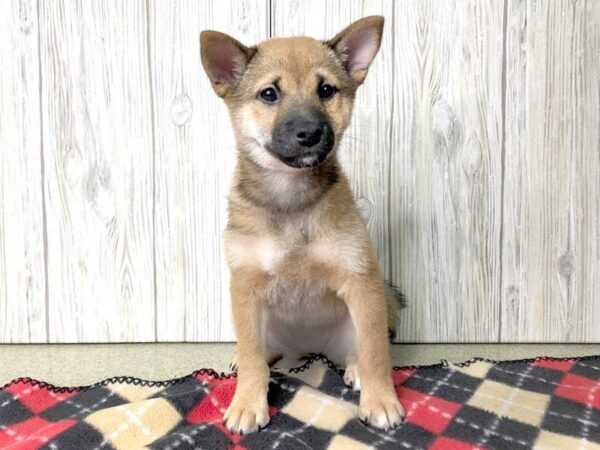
(331, 385)
(565, 417)
(12, 411)
(282, 389)
(183, 396)
(83, 404)
(406, 435)
(526, 377)
(284, 432)
(454, 386)
(489, 430)
(192, 437)
(72, 438)
(586, 369)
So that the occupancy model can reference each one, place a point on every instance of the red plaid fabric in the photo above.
(544, 403)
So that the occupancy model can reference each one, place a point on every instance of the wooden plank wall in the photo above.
(474, 153)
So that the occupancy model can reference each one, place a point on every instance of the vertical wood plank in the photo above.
(445, 186)
(491, 226)
(551, 246)
(22, 278)
(98, 170)
(365, 151)
(194, 160)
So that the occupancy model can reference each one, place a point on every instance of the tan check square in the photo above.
(323, 411)
(552, 441)
(134, 425)
(477, 370)
(134, 393)
(341, 442)
(515, 403)
(313, 378)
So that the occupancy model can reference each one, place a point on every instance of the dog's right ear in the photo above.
(224, 60)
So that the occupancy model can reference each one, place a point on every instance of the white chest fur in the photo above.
(262, 253)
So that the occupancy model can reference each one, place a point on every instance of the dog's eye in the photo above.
(326, 91)
(269, 95)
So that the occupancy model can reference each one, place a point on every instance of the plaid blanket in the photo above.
(544, 403)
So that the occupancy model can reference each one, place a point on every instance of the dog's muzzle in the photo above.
(303, 139)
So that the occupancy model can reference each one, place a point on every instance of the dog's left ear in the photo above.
(224, 60)
(357, 45)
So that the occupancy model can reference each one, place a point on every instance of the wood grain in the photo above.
(98, 171)
(194, 160)
(446, 168)
(22, 277)
(474, 153)
(551, 245)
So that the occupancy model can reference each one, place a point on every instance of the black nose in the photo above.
(308, 133)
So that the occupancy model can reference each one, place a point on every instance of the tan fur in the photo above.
(298, 250)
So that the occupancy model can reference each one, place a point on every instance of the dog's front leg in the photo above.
(249, 410)
(365, 298)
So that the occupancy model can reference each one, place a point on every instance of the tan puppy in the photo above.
(304, 276)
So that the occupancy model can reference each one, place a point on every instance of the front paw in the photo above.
(246, 416)
(382, 410)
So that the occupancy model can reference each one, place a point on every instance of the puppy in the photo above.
(304, 275)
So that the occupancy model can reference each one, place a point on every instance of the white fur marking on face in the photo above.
(263, 158)
(261, 139)
(309, 160)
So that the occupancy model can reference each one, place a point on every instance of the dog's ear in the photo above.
(224, 60)
(357, 45)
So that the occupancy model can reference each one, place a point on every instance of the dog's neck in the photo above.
(281, 191)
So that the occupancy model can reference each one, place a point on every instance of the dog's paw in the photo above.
(381, 411)
(246, 416)
(351, 378)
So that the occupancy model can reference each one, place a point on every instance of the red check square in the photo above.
(32, 433)
(579, 389)
(37, 399)
(444, 443)
(400, 376)
(429, 412)
(212, 407)
(563, 366)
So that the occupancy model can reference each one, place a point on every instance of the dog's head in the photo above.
(290, 99)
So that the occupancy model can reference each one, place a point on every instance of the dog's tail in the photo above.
(395, 301)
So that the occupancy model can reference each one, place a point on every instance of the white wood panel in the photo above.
(97, 132)
(445, 186)
(473, 152)
(551, 246)
(365, 151)
(22, 277)
(194, 158)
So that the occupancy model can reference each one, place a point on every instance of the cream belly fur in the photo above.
(307, 319)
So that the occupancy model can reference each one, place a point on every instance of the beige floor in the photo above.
(69, 365)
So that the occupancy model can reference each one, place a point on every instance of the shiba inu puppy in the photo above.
(304, 275)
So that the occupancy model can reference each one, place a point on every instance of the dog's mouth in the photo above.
(306, 161)
(299, 158)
